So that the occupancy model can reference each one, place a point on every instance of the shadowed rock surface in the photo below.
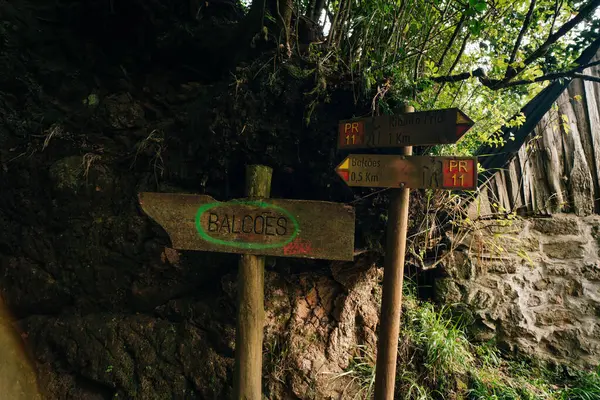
(97, 105)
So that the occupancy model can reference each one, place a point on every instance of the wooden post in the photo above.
(250, 318)
(393, 278)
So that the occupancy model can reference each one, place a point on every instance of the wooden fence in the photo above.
(556, 167)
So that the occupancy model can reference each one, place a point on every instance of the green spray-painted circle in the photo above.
(245, 245)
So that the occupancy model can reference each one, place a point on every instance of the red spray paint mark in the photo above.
(298, 246)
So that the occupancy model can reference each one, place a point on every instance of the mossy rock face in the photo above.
(446, 290)
(136, 356)
(123, 112)
(557, 226)
(67, 174)
(74, 174)
(461, 268)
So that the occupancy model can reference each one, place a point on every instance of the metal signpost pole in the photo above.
(393, 277)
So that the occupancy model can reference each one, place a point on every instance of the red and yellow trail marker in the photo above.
(343, 169)
(415, 172)
(445, 126)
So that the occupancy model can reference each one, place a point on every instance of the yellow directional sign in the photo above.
(412, 129)
(417, 172)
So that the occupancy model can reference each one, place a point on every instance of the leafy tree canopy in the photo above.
(487, 57)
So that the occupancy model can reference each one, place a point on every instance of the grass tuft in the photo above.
(437, 361)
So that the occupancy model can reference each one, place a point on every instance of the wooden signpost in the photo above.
(271, 227)
(407, 129)
(415, 172)
(257, 226)
(401, 172)
(254, 227)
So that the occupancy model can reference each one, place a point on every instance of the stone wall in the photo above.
(533, 285)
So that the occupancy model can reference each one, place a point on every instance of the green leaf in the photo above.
(477, 5)
(475, 27)
(92, 100)
(480, 7)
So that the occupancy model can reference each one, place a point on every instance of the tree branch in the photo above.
(245, 32)
(329, 14)
(454, 64)
(549, 77)
(418, 49)
(478, 73)
(461, 22)
(557, 7)
(506, 81)
(584, 12)
(309, 9)
(585, 66)
(317, 10)
(510, 71)
(427, 38)
(343, 23)
(334, 23)
(496, 84)
(584, 77)
(460, 52)
(254, 19)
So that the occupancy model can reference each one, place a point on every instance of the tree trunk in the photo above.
(317, 10)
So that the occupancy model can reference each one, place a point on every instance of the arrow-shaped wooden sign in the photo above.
(275, 227)
(411, 129)
(416, 172)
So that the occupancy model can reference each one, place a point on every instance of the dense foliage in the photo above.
(486, 57)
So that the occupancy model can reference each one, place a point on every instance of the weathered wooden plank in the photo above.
(545, 199)
(485, 205)
(512, 185)
(563, 171)
(525, 177)
(503, 198)
(481, 205)
(576, 92)
(580, 179)
(275, 227)
(493, 193)
(537, 201)
(553, 166)
(591, 100)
